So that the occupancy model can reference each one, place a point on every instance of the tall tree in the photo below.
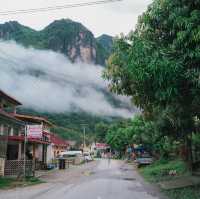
(159, 64)
(101, 131)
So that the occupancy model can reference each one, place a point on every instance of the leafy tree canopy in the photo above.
(159, 66)
(158, 63)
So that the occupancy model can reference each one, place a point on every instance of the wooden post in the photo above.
(34, 147)
(25, 142)
(20, 151)
(189, 151)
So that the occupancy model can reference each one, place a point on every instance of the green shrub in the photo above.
(186, 193)
(5, 182)
(160, 170)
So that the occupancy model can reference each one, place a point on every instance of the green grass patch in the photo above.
(6, 183)
(185, 193)
(159, 170)
(33, 181)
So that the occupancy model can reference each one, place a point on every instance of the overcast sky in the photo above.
(112, 19)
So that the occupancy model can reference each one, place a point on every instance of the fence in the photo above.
(40, 165)
(16, 168)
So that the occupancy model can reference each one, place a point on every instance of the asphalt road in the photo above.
(102, 179)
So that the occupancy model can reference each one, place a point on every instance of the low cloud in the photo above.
(46, 81)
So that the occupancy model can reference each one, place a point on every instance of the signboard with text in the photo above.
(34, 131)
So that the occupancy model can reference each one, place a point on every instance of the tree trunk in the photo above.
(189, 156)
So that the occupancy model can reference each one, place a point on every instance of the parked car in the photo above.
(71, 153)
(144, 159)
(76, 156)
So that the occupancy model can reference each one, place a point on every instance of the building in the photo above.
(38, 148)
(100, 148)
(15, 147)
(10, 128)
(58, 145)
(50, 146)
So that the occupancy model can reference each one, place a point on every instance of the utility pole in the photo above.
(83, 137)
(84, 133)
(25, 140)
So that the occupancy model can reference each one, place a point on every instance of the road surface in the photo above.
(102, 179)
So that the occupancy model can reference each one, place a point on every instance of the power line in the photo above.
(53, 8)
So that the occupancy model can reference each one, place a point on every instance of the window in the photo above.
(15, 131)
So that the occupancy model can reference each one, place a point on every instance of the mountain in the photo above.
(77, 43)
(106, 41)
(65, 36)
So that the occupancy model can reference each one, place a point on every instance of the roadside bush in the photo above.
(185, 193)
(160, 170)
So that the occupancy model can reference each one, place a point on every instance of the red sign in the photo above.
(34, 131)
(102, 146)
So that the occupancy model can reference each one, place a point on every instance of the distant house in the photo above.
(46, 149)
(71, 143)
(58, 145)
(100, 147)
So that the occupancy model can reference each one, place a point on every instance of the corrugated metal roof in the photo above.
(31, 118)
(11, 117)
(56, 140)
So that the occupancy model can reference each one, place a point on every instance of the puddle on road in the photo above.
(121, 178)
(129, 179)
(88, 173)
(126, 169)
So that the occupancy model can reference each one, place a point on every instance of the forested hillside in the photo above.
(70, 125)
(78, 44)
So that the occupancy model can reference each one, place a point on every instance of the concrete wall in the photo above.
(2, 164)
